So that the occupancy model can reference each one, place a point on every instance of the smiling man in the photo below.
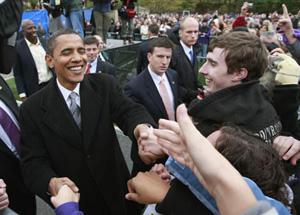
(31, 71)
(69, 136)
(95, 63)
(233, 94)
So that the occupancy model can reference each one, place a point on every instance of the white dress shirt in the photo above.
(157, 78)
(93, 66)
(187, 50)
(38, 53)
(65, 92)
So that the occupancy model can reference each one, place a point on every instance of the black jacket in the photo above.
(245, 105)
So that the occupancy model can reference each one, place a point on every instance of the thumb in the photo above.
(295, 158)
(131, 197)
(54, 202)
(184, 121)
(285, 11)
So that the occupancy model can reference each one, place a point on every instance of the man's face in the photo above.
(68, 60)
(189, 33)
(101, 44)
(215, 71)
(159, 59)
(91, 52)
(29, 31)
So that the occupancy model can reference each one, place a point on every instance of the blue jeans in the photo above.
(75, 21)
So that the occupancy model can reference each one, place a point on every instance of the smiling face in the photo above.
(29, 31)
(215, 71)
(91, 51)
(159, 59)
(68, 60)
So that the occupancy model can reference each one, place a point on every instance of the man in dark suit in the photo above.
(184, 57)
(20, 199)
(95, 64)
(146, 89)
(142, 59)
(31, 72)
(69, 136)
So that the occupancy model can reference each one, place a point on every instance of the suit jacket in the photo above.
(142, 90)
(25, 71)
(105, 67)
(20, 199)
(92, 158)
(186, 71)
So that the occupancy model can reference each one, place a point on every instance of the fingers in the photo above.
(186, 125)
(4, 202)
(295, 158)
(56, 183)
(70, 184)
(277, 51)
(141, 131)
(161, 171)
(285, 11)
(170, 125)
(64, 195)
(287, 147)
(294, 149)
(282, 144)
(2, 184)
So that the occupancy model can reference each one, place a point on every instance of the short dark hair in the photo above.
(51, 43)
(163, 42)
(254, 159)
(89, 40)
(243, 50)
(154, 29)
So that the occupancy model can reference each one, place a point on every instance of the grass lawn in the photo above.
(12, 85)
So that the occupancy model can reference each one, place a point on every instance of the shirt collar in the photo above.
(186, 48)
(32, 44)
(94, 63)
(65, 92)
(156, 78)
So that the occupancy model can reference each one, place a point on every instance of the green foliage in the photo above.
(202, 6)
(12, 85)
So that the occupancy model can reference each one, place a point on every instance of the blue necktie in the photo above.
(191, 56)
(11, 129)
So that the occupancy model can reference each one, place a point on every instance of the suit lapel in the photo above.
(26, 52)
(7, 97)
(58, 117)
(173, 87)
(91, 105)
(153, 92)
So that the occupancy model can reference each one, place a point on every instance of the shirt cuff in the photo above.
(68, 208)
(22, 95)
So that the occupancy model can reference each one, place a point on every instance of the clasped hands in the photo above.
(148, 148)
(63, 190)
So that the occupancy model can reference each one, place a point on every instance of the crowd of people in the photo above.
(230, 145)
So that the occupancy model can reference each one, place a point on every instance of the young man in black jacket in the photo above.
(235, 62)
